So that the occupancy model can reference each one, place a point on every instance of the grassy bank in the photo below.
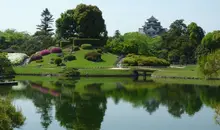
(185, 72)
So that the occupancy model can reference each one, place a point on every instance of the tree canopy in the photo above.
(85, 21)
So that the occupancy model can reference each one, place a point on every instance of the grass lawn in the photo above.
(37, 70)
(108, 60)
(46, 67)
(188, 71)
(104, 72)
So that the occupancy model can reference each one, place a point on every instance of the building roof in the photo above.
(152, 19)
(151, 29)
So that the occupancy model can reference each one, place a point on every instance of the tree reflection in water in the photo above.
(85, 108)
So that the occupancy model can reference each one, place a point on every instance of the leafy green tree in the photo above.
(89, 21)
(212, 40)
(196, 33)
(5, 65)
(210, 65)
(11, 37)
(45, 28)
(66, 25)
(10, 118)
(117, 34)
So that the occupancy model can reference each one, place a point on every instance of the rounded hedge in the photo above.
(86, 46)
(76, 48)
(44, 52)
(134, 60)
(93, 56)
(130, 61)
(56, 50)
(69, 58)
(58, 61)
(36, 57)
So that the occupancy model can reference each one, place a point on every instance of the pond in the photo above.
(114, 104)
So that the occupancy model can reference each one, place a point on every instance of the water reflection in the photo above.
(81, 105)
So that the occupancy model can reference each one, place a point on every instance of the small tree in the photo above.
(58, 61)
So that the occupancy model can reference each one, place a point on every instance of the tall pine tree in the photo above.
(45, 28)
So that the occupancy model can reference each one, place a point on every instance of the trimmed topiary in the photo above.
(44, 52)
(56, 50)
(134, 60)
(86, 46)
(93, 56)
(58, 61)
(76, 48)
(69, 58)
(36, 57)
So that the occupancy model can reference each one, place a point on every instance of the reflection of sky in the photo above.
(124, 117)
(32, 118)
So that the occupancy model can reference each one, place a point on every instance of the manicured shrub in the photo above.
(39, 61)
(93, 56)
(130, 61)
(86, 46)
(58, 61)
(76, 48)
(99, 51)
(44, 52)
(56, 50)
(152, 61)
(69, 58)
(134, 60)
(36, 57)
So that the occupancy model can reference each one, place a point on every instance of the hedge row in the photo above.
(65, 43)
(93, 42)
(144, 61)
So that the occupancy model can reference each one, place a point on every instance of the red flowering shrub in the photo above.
(44, 52)
(56, 50)
(36, 57)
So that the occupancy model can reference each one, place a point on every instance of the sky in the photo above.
(123, 15)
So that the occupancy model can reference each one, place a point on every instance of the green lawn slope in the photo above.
(46, 67)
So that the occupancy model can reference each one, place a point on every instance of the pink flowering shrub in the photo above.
(44, 52)
(36, 57)
(56, 50)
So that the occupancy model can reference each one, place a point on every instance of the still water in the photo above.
(115, 104)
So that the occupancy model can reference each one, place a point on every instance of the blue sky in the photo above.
(125, 15)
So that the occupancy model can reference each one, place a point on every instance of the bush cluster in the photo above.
(36, 57)
(135, 60)
(86, 46)
(93, 56)
(69, 58)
